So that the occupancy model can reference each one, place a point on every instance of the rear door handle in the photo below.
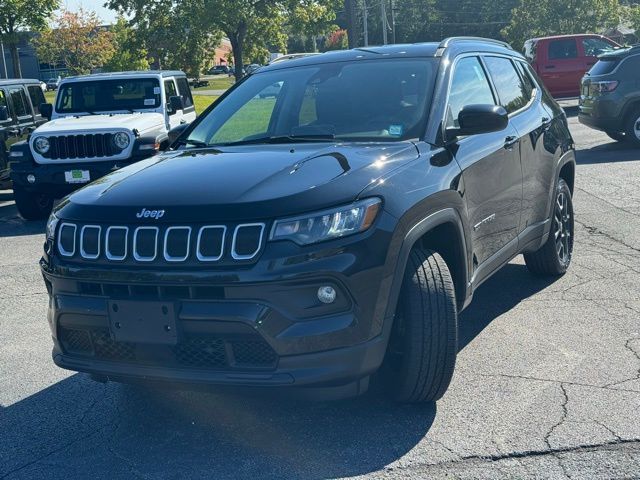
(510, 141)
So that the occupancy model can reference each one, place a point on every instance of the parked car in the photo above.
(610, 97)
(219, 70)
(561, 61)
(311, 245)
(197, 83)
(19, 115)
(99, 123)
(52, 84)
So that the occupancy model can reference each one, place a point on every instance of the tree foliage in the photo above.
(17, 15)
(337, 40)
(128, 54)
(78, 40)
(535, 18)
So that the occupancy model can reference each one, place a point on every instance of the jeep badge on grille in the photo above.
(144, 213)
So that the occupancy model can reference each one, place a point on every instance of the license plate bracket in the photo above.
(143, 322)
(77, 176)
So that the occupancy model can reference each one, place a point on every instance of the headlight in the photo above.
(329, 224)
(41, 144)
(52, 223)
(121, 140)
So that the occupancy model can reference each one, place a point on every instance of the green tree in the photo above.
(77, 39)
(16, 15)
(128, 55)
(313, 18)
(535, 18)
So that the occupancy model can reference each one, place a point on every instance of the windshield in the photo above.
(108, 95)
(382, 100)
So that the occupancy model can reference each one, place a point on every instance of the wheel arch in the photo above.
(443, 232)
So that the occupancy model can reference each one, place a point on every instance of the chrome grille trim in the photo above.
(237, 256)
(168, 257)
(63, 252)
(205, 258)
(141, 258)
(107, 251)
(84, 254)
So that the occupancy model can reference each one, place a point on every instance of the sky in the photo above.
(106, 15)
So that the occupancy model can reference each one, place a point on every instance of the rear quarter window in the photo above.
(603, 67)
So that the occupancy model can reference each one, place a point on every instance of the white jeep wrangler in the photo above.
(99, 123)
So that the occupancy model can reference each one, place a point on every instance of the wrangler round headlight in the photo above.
(121, 140)
(41, 144)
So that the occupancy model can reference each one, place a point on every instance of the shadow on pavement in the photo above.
(506, 289)
(612, 152)
(176, 434)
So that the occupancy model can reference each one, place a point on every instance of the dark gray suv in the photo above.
(610, 95)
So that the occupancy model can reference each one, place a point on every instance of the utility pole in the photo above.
(4, 60)
(393, 22)
(383, 14)
(365, 23)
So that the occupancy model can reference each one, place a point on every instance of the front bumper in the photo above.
(255, 326)
(50, 178)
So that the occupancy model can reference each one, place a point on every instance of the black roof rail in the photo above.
(448, 41)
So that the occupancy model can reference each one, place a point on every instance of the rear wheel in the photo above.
(617, 136)
(554, 257)
(32, 206)
(632, 127)
(423, 346)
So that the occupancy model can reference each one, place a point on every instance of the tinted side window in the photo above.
(596, 46)
(469, 86)
(19, 100)
(528, 84)
(185, 91)
(3, 103)
(509, 85)
(169, 90)
(563, 49)
(37, 97)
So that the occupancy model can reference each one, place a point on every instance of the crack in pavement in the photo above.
(560, 382)
(596, 231)
(565, 413)
(612, 205)
(628, 346)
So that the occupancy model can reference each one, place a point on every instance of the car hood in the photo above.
(249, 182)
(115, 121)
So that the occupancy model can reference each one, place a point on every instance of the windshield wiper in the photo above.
(281, 139)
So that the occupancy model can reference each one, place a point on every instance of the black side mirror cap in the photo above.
(176, 103)
(477, 119)
(175, 132)
(4, 113)
(46, 110)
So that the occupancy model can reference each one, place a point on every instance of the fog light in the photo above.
(31, 178)
(327, 294)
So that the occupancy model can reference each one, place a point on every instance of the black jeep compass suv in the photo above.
(314, 236)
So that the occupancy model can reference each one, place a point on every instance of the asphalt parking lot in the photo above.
(547, 383)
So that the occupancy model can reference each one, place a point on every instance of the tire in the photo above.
(554, 257)
(422, 350)
(617, 136)
(632, 127)
(32, 206)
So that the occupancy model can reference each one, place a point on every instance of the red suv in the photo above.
(562, 61)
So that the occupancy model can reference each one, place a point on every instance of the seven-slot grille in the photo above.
(96, 145)
(170, 244)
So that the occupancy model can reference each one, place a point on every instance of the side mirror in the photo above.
(176, 103)
(175, 132)
(477, 119)
(46, 110)
(4, 113)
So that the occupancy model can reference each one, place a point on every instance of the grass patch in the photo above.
(201, 102)
(220, 82)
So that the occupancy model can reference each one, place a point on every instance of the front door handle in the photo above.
(510, 141)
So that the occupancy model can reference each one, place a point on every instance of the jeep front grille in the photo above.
(172, 244)
(97, 145)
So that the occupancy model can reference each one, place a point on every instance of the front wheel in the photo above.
(554, 257)
(32, 206)
(632, 127)
(424, 341)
